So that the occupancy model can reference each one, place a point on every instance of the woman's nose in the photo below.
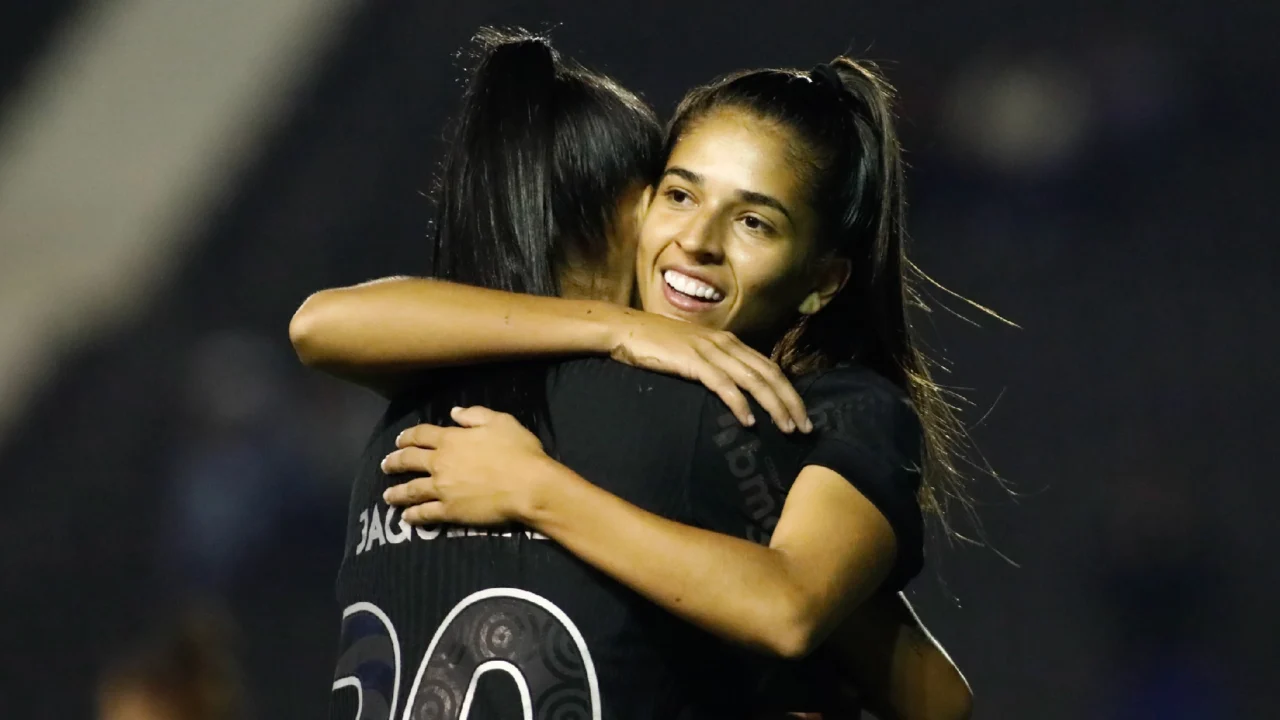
(701, 241)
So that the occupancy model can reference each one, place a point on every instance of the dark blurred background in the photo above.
(176, 177)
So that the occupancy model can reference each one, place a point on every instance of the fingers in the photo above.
(771, 376)
(720, 383)
(749, 379)
(474, 416)
(409, 460)
(430, 513)
(418, 490)
(424, 435)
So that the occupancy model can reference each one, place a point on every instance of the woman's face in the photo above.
(729, 238)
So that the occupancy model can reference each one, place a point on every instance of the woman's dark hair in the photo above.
(848, 152)
(541, 152)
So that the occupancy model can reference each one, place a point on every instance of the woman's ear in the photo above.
(831, 280)
(642, 206)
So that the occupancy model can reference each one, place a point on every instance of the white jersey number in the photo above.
(501, 629)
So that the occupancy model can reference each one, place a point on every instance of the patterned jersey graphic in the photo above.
(369, 662)
(514, 632)
(503, 630)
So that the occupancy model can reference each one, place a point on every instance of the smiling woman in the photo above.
(730, 233)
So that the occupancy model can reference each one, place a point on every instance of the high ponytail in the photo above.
(542, 151)
(539, 155)
(494, 215)
(892, 291)
(493, 218)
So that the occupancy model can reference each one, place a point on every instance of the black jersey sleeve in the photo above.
(867, 431)
(739, 479)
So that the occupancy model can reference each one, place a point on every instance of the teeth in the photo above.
(689, 286)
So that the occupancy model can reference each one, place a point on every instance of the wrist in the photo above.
(603, 324)
(543, 493)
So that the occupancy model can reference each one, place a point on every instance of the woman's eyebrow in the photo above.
(688, 175)
(756, 198)
(747, 196)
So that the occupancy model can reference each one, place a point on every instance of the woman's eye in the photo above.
(678, 196)
(755, 224)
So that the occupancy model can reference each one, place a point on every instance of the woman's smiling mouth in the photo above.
(686, 292)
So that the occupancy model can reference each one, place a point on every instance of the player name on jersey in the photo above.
(379, 529)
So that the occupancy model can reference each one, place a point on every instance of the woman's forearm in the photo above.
(401, 324)
(741, 591)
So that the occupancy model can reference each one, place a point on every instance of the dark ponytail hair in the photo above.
(494, 226)
(848, 151)
(540, 153)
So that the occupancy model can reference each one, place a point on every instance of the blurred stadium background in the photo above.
(175, 177)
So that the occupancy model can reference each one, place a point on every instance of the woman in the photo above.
(817, 217)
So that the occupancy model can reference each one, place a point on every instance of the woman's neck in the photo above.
(578, 284)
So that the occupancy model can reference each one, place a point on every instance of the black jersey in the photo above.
(452, 622)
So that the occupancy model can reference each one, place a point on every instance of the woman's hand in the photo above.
(715, 358)
(476, 474)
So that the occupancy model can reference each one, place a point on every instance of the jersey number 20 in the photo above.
(501, 629)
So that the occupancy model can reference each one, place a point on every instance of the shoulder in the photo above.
(603, 378)
(631, 432)
(851, 383)
(604, 395)
(851, 403)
